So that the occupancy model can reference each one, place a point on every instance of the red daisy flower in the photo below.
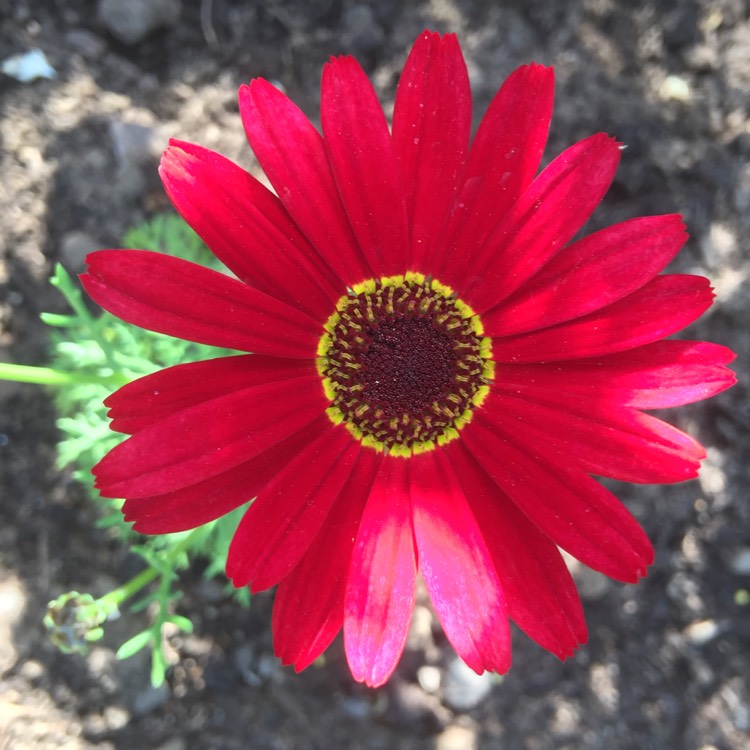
(437, 368)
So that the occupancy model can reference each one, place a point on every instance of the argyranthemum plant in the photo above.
(436, 372)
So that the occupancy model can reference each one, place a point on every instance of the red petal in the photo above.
(654, 376)
(308, 610)
(431, 127)
(182, 299)
(541, 595)
(364, 165)
(247, 228)
(662, 307)
(212, 437)
(545, 218)
(294, 159)
(165, 392)
(570, 507)
(212, 498)
(606, 440)
(591, 274)
(457, 567)
(380, 591)
(280, 525)
(504, 157)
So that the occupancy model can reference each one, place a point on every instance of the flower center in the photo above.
(404, 363)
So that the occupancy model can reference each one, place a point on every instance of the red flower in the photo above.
(437, 370)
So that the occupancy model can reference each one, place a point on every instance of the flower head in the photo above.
(437, 367)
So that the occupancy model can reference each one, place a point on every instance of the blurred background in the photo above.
(82, 123)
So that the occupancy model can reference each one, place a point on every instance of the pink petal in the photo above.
(540, 592)
(247, 228)
(654, 376)
(457, 567)
(280, 525)
(607, 440)
(151, 398)
(364, 165)
(431, 127)
(169, 295)
(570, 507)
(212, 498)
(662, 307)
(504, 157)
(591, 274)
(294, 159)
(380, 590)
(308, 609)
(207, 439)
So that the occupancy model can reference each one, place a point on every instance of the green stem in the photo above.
(62, 281)
(49, 376)
(142, 579)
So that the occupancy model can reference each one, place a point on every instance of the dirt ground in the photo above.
(668, 660)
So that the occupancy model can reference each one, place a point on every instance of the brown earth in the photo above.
(667, 662)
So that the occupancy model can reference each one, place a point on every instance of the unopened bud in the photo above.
(74, 620)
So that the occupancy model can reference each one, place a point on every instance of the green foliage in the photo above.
(98, 353)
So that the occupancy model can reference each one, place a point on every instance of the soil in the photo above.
(668, 660)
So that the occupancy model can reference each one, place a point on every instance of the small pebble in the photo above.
(132, 143)
(243, 659)
(410, 706)
(175, 743)
(132, 21)
(463, 688)
(356, 708)
(116, 717)
(429, 678)
(32, 670)
(591, 584)
(150, 699)
(28, 66)
(455, 737)
(74, 247)
(12, 604)
(86, 43)
(676, 89)
(740, 562)
(360, 31)
(420, 633)
(702, 632)
(268, 667)
(259, 669)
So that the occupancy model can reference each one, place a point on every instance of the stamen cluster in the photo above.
(404, 363)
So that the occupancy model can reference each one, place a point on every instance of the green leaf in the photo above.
(141, 604)
(158, 666)
(96, 634)
(183, 623)
(100, 353)
(58, 321)
(134, 645)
